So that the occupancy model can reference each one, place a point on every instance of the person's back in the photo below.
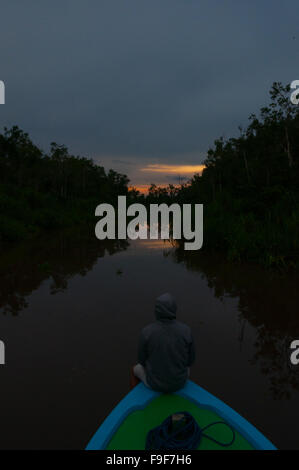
(166, 348)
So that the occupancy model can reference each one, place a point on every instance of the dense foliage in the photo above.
(40, 191)
(250, 187)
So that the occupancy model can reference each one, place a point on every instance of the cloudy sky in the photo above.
(142, 86)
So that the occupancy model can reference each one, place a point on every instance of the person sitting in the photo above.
(166, 349)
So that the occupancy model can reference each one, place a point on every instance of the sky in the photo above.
(142, 86)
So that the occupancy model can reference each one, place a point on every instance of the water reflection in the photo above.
(267, 301)
(57, 257)
(240, 317)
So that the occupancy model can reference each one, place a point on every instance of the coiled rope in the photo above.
(184, 437)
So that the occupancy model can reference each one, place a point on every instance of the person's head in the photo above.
(165, 308)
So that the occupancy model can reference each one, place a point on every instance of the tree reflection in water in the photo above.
(57, 257)
(267, 300)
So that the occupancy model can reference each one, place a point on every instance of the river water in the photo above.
(71, 311)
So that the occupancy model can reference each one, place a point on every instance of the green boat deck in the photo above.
(131, 435)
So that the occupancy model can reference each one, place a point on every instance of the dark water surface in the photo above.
(71, 311)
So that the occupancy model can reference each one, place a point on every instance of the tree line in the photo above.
(250, 187)
(43, 191)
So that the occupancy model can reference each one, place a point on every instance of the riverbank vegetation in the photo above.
(41, 191)
(250, 188)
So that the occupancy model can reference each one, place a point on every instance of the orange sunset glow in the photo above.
(151, 170)
(179, 169)
(143, 188)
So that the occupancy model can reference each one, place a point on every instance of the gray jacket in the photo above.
(166, 348)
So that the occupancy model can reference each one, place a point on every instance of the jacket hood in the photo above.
(165, 308)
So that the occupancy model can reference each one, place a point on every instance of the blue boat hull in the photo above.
(141, 396)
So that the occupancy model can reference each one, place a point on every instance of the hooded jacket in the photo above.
(166, 348)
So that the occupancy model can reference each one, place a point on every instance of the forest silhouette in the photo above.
(249, 187)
